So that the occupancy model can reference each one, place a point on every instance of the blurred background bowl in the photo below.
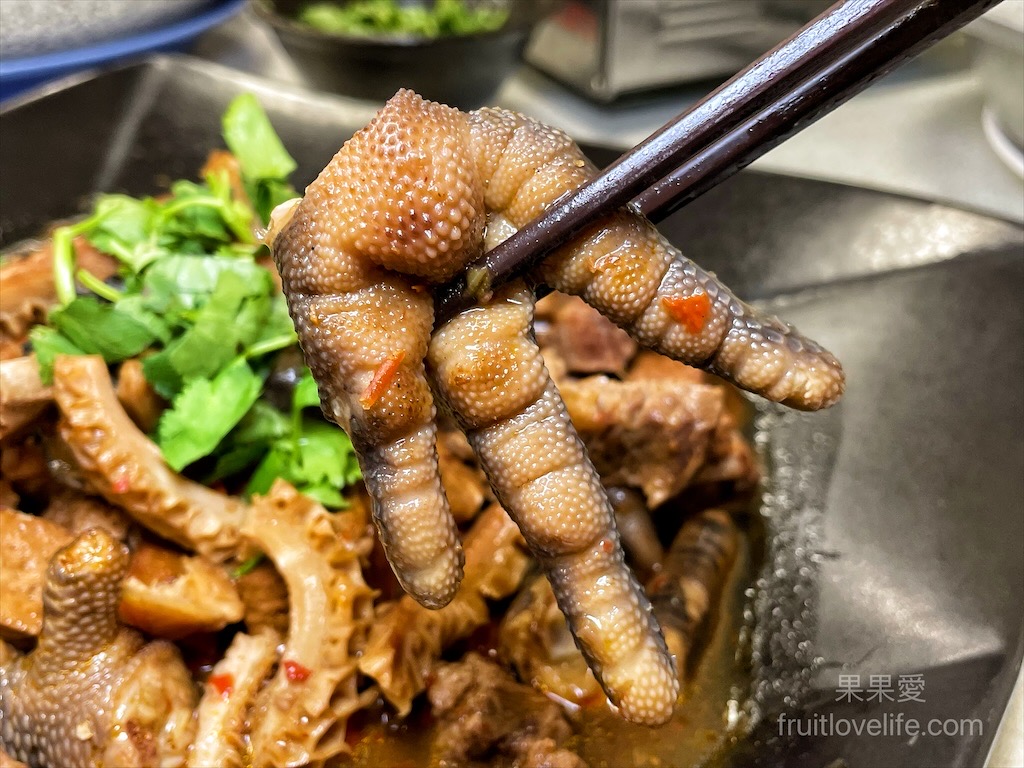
(460, 70)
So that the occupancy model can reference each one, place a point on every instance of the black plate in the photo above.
(896, 518)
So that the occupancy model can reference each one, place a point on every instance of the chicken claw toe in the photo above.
(624, 268)
(489, 371)
(400, 195)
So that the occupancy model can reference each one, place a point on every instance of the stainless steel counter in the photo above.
(917, 132)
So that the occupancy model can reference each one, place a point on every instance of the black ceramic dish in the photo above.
(459, 70)
(895, 521)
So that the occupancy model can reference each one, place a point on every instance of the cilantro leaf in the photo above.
(186, 282)
(325, 493)
(229, 322)
(220, 331)
(134, 306)
(193, 292)
(204, 412)
(162, 376)
(263, 424)
(252, 315)
(127, 228)
(128, 219)
(267, 194)
(277, 322)
(262, 158)
(198, 217)
(253, 141)
(277, 463)
(101, 328)
(326, 454)
(231, 461)
(250, 440)
(306, 394)
(319, 461)
(47, 343)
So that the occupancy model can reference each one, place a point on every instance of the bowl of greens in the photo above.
(454, 51)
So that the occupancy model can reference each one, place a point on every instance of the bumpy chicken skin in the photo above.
(400, 194)
(490, 372)
(623, 267)
(409, 201)
(92, 693)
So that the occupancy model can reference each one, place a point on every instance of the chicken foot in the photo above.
(490, 372)
(401, 194)
(686, 589)
(623, 267)
(405, 204)
(92, 693)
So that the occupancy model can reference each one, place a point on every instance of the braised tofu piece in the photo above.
(27, 543)
(173, 595)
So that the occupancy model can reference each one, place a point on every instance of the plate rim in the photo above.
(109, 50)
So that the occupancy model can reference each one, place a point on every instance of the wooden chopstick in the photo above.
(824, 64)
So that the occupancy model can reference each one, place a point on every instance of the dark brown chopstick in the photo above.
(823, 65)
(905, 36)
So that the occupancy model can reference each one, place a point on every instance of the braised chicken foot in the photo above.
(405, 204)
(490, 372)
(92, 693)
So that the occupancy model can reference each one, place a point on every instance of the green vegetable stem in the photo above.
(207, 318)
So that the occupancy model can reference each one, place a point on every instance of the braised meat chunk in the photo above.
(652, 435)
(486, 718)
(586, 341)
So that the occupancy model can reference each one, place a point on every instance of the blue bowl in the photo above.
(20, 74)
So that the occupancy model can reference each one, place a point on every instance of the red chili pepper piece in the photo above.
(295, 672)
(691, 311)
(381, 380)
(223, 684)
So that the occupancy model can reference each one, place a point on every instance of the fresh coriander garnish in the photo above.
(391, 18)
(206, 318)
